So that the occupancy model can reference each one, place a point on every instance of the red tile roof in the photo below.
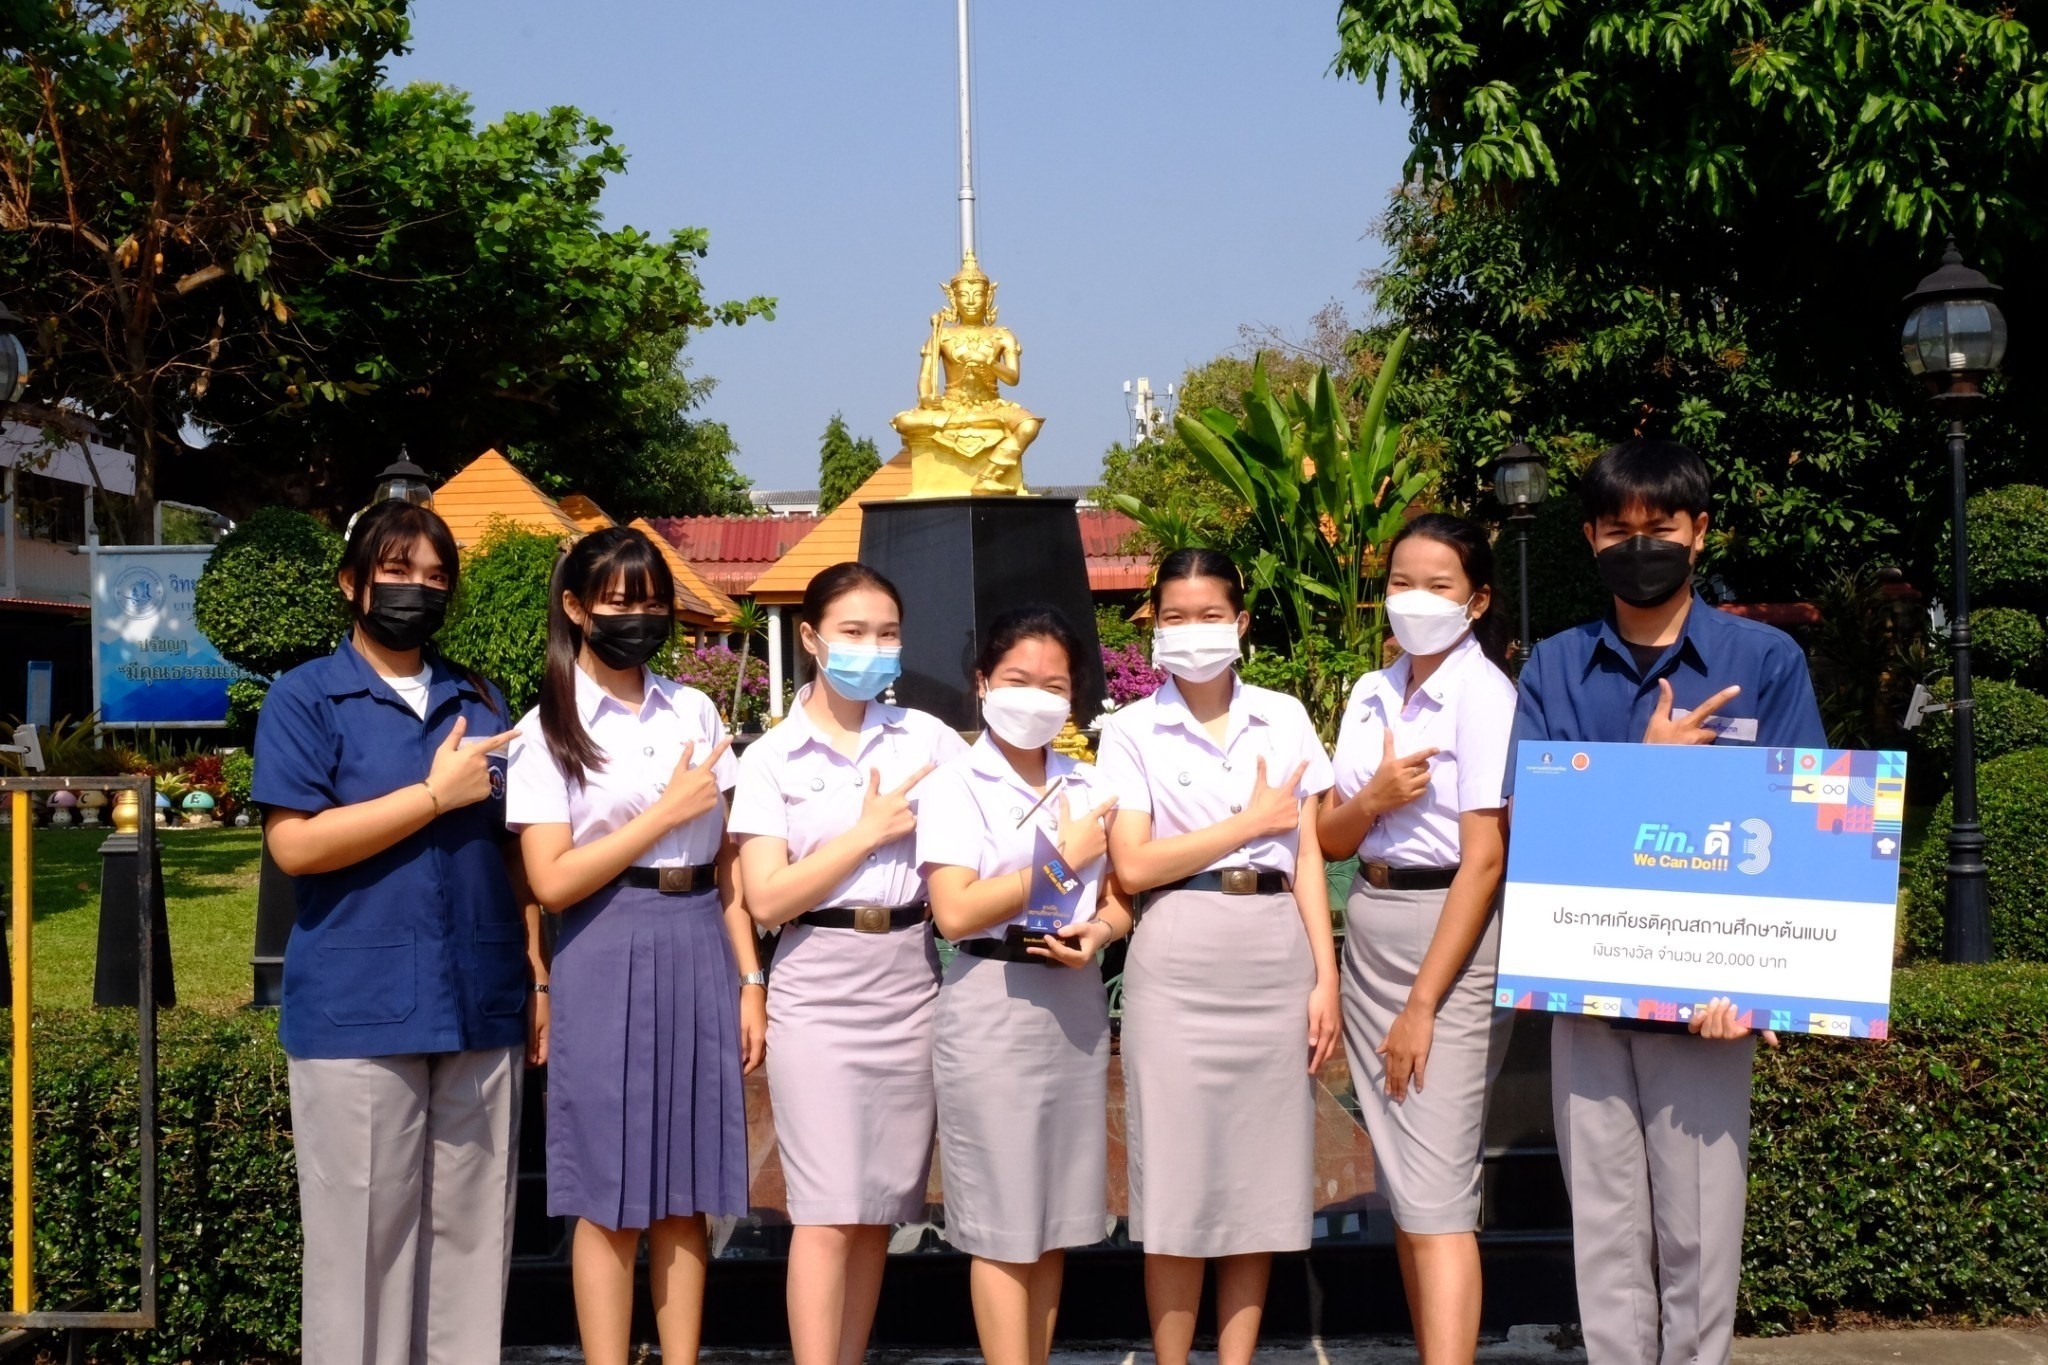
(733, 552)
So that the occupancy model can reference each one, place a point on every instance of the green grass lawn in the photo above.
(210, 900)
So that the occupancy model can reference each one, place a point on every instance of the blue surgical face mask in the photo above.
(862, 672)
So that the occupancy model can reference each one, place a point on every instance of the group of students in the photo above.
(429, 836)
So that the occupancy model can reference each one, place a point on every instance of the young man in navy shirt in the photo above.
(1653, 1119)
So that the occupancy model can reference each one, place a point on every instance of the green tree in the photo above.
(267, 597)
(1324, 498)
(1191, 506)
(223, 223)
(1699, 219)
(498, 622)
(844, 464)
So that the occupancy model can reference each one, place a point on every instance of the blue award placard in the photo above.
(1644, 880)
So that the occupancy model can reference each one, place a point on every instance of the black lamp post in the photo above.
(1521, 480)
(404, 481)
(1954, 337)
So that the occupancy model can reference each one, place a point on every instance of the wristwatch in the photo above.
(755, 978)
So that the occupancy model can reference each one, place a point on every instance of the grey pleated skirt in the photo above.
(1219, 1106)
(1428, 1148)
(850, 1019)
(1021, 1061)
(646, 1119)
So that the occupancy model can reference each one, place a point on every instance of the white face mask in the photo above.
(1025, 717)
(1198, 652)
(1425, 623)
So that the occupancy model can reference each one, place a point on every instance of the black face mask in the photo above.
(404, 616)
(1644, 571)
(626, 639)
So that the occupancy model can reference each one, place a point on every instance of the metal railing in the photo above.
(17, 791)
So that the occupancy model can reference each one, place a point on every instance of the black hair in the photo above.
(388, 530)
(831, 584)
(1199, 563)
(616, 555)
(1032, 621)
(828, 586)
(1475, 560)
(1659, 476)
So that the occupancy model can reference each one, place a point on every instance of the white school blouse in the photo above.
(1465, 711)
(794, 786)
(977, 813)
(641, 747)
(1160, 760)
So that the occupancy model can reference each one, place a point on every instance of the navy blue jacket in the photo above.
(419, 948)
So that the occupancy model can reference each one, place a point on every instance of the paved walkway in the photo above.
(1523, 1346)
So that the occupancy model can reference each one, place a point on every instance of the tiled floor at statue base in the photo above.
(1522, 1346)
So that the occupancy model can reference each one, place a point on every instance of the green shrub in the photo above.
(1902, 1179)
(1905, 1179)
(1865, 654)
(2012, 805)
(1115, 629)
(498, 622)
(2009, 718)
(267, 598)
(228, 1220)
(2008, 548)
(2006, 642)
(237, 771)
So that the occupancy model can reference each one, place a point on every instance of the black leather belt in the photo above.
(1380, 877)
(868, 919)
(1232, 881)
(671, 881)
(1012, 947)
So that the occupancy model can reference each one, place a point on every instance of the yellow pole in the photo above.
(24, 1101)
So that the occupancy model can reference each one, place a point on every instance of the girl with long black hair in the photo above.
(406, 977)
(1420, 759)
(617, 791)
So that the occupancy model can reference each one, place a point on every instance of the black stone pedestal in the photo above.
(276, 908)
(960, 563)
(115, 974)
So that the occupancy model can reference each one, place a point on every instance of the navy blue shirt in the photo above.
(419, 948)
(1583, 685)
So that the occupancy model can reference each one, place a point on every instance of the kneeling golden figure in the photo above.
(967, 438)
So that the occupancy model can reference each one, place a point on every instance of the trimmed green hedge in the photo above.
(2006, 642)
(1904, 1179)
(2008, 548)
(2012, 805)
(228, 1217)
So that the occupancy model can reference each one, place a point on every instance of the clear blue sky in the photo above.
(1151, 175)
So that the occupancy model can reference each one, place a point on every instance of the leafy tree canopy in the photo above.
(844, 463)
(222, 222)
(1698, 220)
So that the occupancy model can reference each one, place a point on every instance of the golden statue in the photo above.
(968, 438)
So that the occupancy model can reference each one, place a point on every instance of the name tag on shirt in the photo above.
(1741, 729)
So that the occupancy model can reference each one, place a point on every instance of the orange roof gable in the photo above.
(587, 515)
(834, 540)
(488, 487)
(693, 595)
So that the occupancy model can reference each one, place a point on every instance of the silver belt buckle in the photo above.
(1240, 881)
(871, 919)
(675, 881)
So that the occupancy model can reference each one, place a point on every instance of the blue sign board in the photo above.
(1644, 880)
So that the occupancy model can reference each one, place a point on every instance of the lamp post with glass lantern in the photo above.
(1521, 481)
(404, 481)
(1953, 339)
